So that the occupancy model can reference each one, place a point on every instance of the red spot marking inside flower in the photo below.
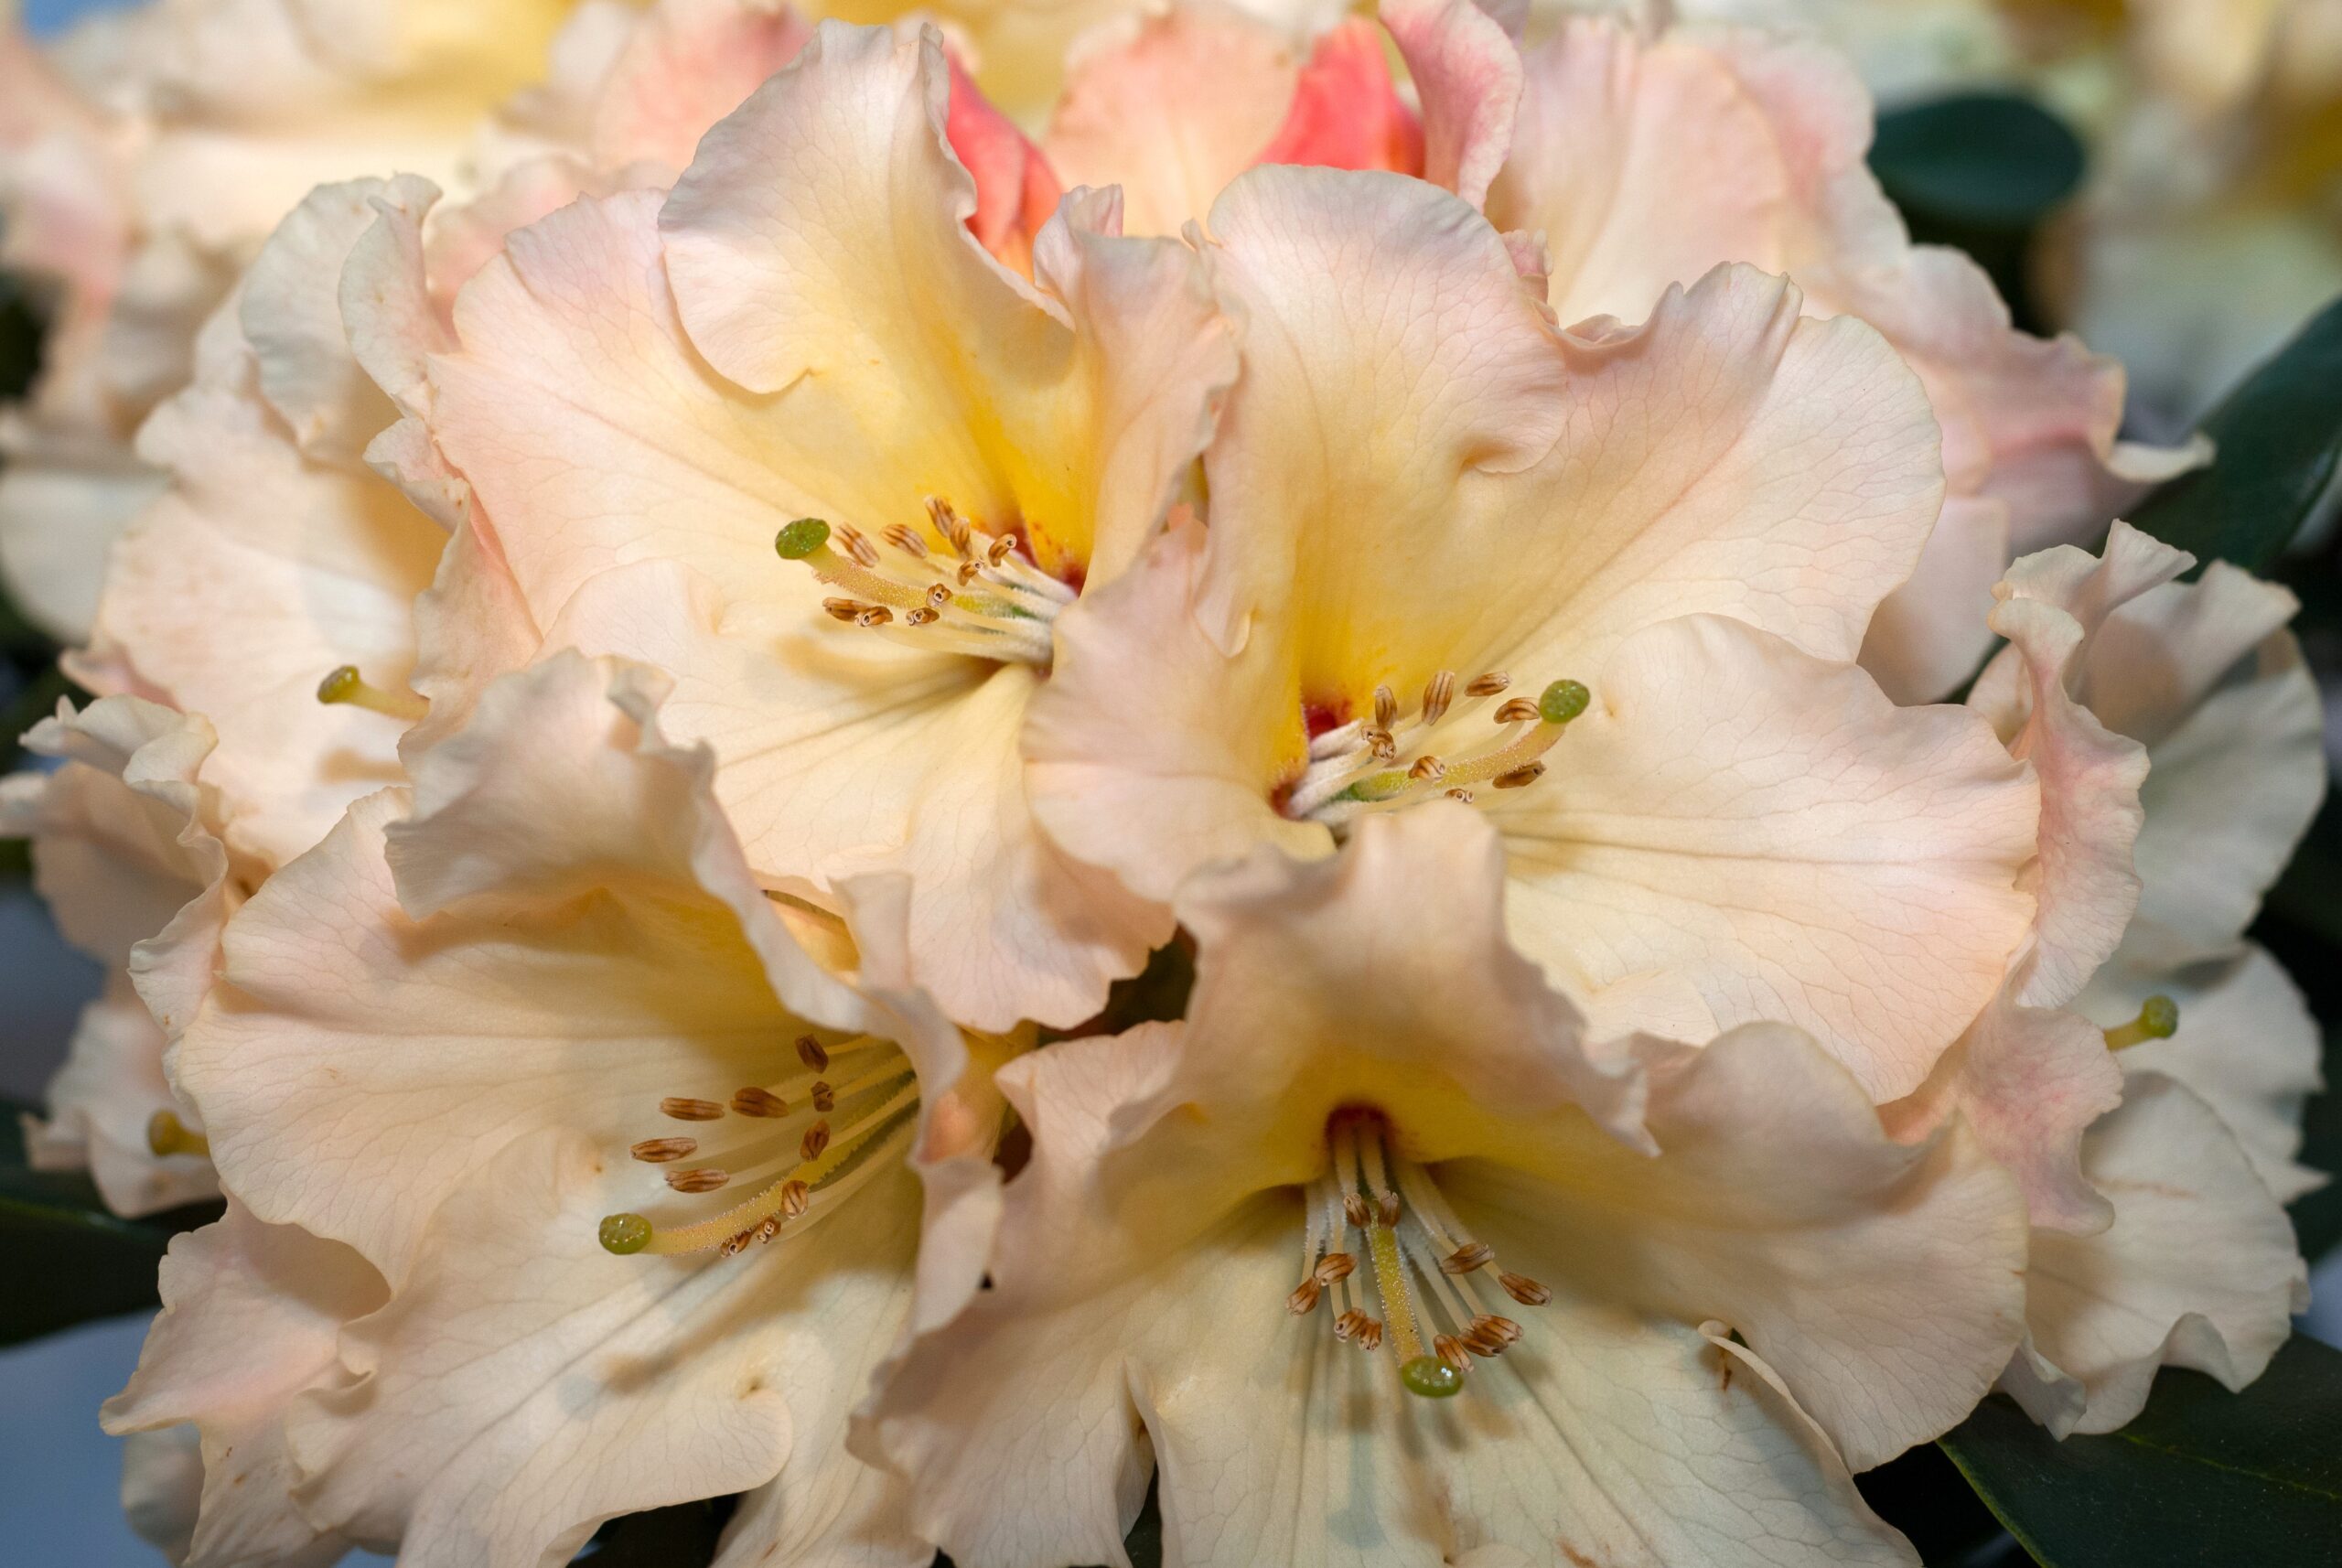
(1015, 188)
(1317, 718)
(1346, 112)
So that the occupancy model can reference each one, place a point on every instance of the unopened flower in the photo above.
(1374, 1248)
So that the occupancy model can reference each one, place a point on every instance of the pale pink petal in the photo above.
(684, 66)
(1930, 636)
(2199, 1269)
(1468, 74)
(250, 1316)
(1344, 113)
(1015, 188)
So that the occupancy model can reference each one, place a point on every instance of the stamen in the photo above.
(811, 1052)
(345, 685)
(756, 1101)
(167, 1135)
(698, 1181)
(1397, 760)
(659, 1150)
(684, 1110)
(2158, 1019)
(991, 605)
(1418, 1294)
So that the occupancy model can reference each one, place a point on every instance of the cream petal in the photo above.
(2246, 1046)
(1930, 636)
(60, 512)
(683, 67)
(1723, 458)
(1879, 1282)
(162, 1481)
(521, 1362)
(251, 1315)
(1771, 827)
(2197, 1270)
(831, 772)
(355, 1104)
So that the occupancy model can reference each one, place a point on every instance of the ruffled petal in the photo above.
(2199, 1269)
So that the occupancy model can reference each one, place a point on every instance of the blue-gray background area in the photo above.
(60, 1475)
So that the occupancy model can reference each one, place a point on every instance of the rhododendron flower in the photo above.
(1606, 584)
(126, 850)
(642, 401)
(1642, 1300)
(634, 1170)
(145, 159)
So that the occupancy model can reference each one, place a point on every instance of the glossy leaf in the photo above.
(71, 1261)
(1984, 160)
(2201, 1477)
(2280, 437)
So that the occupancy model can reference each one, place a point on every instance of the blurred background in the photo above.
(1999, 168)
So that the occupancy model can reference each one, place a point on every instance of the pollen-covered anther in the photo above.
(660, 1150)
(1394, 758)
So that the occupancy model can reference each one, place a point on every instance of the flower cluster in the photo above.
(667, 660)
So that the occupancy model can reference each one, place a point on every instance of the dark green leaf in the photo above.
(1922, 1495)
(683, 1536)
(69, 1259)
(2201, 1477)
(1983, 160)
(20, 334)
(2280, 436)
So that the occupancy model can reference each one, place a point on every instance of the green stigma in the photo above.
(1428, 1375)
(339, 686)
(166, 1135)
(625, 1233)
(1562, 701)
(2158, 1019)
(801, 538)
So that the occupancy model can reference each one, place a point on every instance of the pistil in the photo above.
(1425, 1269)
(2158, 1019)
(346, 686)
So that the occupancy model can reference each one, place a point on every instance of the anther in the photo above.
(1386, 707)
(922, 617)
(904, 540)
(768, 1228)
(1450, 1350)
(1427, 769)
(2158, 1019)
(684, 1110)
(1389, 1208)
(659, 1150)
(856, 544)
(756, 1102)
(795, 1198)
(1487, 685)
(1467, 1257)
(998, 551)
(1368, 1335)
(825, 1099)
(949, 523)
(1334, 1268)
(847, 610)
(1305, 1297)
(1517, 711)
(1520, 777)
(1463, 795)
(810, 1052)
(704, 1179)
(1354, 1208)
(167, 1135)
(1523, 1289)
(1347, 1326)
(816, 1139)
(875, 615)
(345, 685)
(1501, 1330)
(938, 595)
(1438, 693)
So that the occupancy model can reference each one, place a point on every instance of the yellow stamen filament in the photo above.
(346, 686)
(2158, 1019)
(167, 1135)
